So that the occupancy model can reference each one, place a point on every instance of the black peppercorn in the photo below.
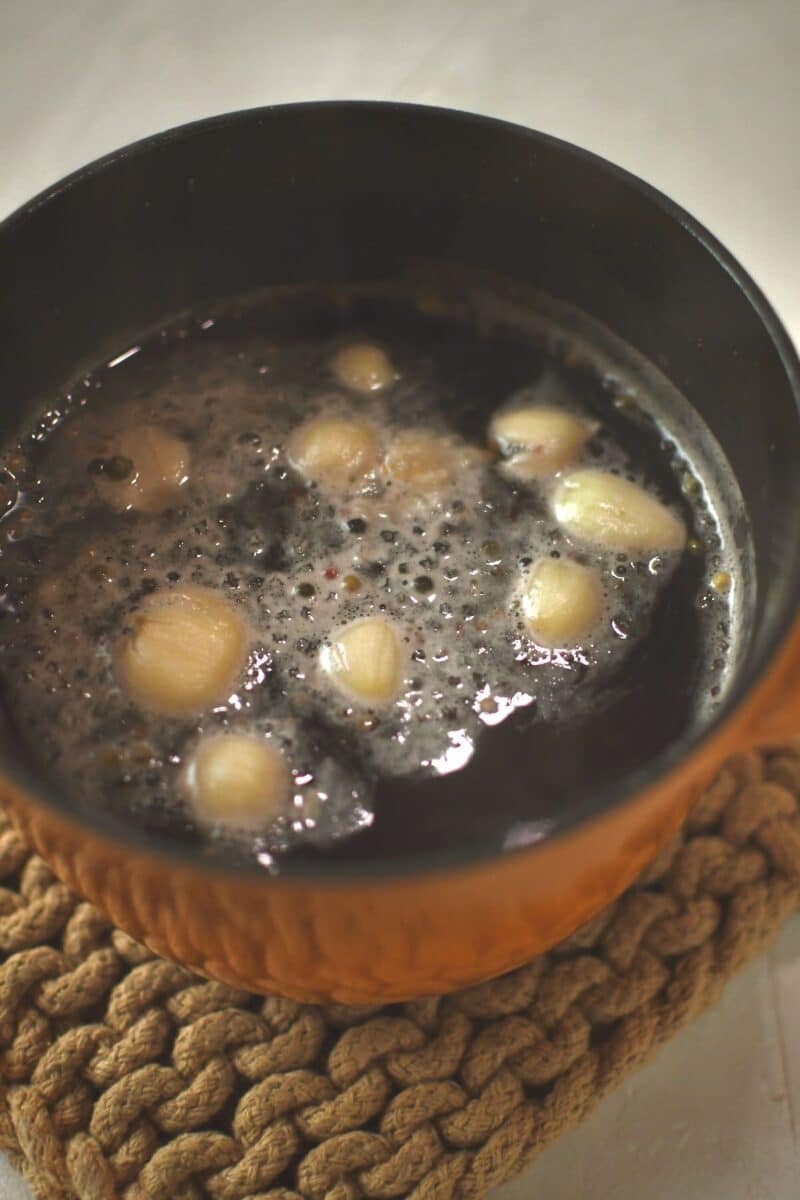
(119, 468)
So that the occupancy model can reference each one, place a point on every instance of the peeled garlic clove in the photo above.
(538, 441)
(184, 653)
(365, 661)
(363, 367)
(615, 513)
(333, 450)
(561, 601)
(237, 779)
(144, 468)
(423, 465)
(423, 461)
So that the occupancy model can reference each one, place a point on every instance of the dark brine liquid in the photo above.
(491, 735)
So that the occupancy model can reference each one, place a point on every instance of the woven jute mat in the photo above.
(125, 1076)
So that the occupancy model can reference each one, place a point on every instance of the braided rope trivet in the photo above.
(126, 1076)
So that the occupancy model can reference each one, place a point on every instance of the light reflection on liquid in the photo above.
(457, 754)
(493, 709)
(527, 833)
(121, 358)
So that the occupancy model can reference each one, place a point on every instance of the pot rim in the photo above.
(678, 754)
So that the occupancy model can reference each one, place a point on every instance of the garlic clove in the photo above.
(333, 450)
(144, 468)
(185, 651)
(538, 440)
(365, 661)
(561, 601)
(237, 779)
(363, 367)
(614, 513)
(423, 461)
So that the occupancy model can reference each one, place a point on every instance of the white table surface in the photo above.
(701, 98)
